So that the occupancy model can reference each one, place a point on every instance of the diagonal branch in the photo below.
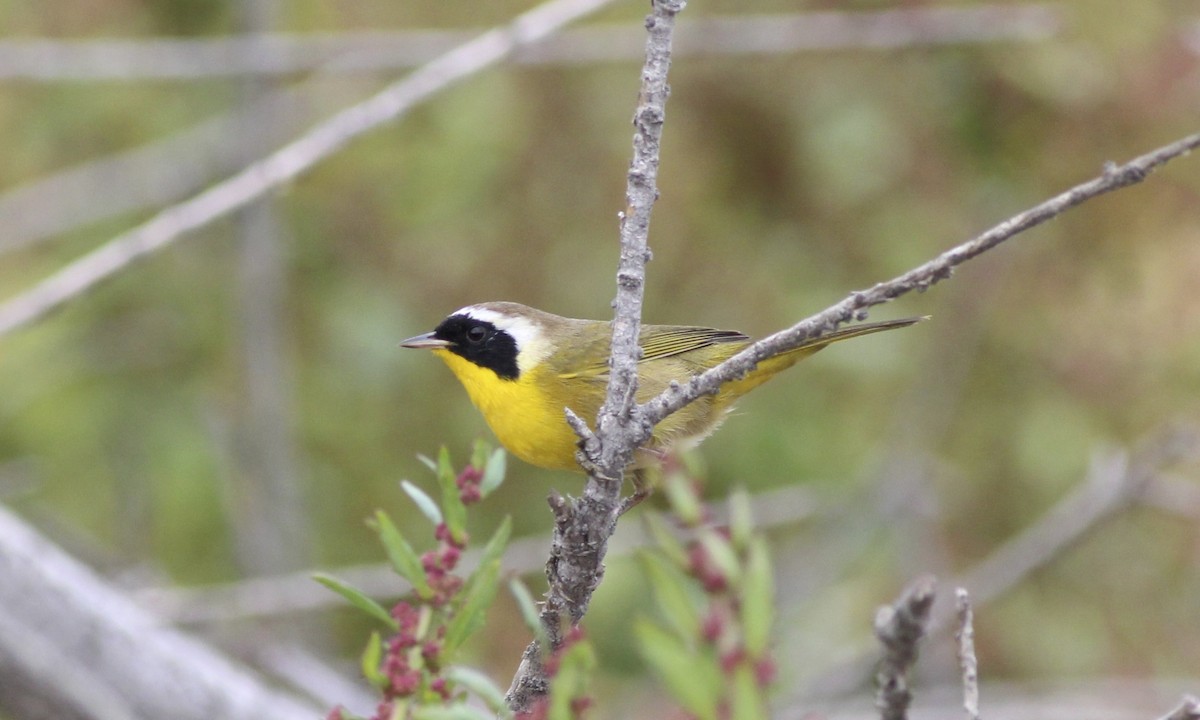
(921, 278)
(289, 162)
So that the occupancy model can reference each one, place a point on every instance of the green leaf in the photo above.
(493, 472)
(693, 678)
(472, 611)
(453, 510)
(482, 686)
(683, 500)
(529, 611)
(741, 518)
(491, 552)
(370, 661)
(451, 712)
(357, 598)
(479, 454)
(402, 556)
(670, 590)
(747, 701)
(758, 601)
(574, 670)
(496, 544)
(427, 505)
(722, 555)
(665, 539)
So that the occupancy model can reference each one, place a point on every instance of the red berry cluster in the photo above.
(468, 484)
(412, 659)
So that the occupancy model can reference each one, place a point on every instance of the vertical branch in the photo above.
(582, 527)
(900, 627)
(266, 504)
(620, 430)
(967, 661)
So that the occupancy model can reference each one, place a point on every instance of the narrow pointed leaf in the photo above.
(404, 559)
(357, 598)
(451, 712)
(722, 555)
(529, 611)
(570, 682)
(758, 601)
(471, 613)
(747, 701)
(493, 472)
(479, 454)
(491, 552)
(683, 500)
(665, 539)
(370, 660)
(693, 679)
(426, 504)
(497, 543)
(741, 518)
(481, 685)
(453, 510)
(670, 590)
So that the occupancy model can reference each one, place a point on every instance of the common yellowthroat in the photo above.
(522, 367)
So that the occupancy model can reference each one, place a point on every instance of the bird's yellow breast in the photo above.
(519, 412)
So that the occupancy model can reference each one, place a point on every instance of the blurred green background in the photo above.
(141, 425)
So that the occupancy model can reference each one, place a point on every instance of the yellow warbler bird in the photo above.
(522, 367)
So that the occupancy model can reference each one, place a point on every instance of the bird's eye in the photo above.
(476, 334)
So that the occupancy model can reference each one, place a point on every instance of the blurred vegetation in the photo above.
(786, 182)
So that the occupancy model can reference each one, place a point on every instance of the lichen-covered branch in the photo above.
(900, 627)
(854, 307)
(583, 526)
(968, 664)
(72, 646)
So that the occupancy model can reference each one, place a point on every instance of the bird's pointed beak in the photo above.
(425, 342)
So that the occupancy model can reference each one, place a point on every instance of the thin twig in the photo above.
(940, 268)
(900, 627)
(167, 170)
(583, 526)
(284, 54)
(967, 662)
(1113, 481)
(1189, 709)
(288, 162)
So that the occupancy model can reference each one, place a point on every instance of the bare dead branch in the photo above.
(900, 627)
(1114, 480)
(285, 54)
(1189, 709)
(583, 526)
(967, 662)
(289, 161)
(922, 278)
(75, 647)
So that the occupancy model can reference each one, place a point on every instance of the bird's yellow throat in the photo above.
(520, 415)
